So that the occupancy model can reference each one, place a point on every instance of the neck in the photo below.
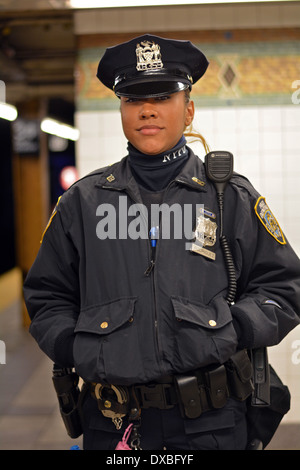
(154, 172)
(178, 151)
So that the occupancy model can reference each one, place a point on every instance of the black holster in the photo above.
(66, 386)
(262, 420)
(261, 377)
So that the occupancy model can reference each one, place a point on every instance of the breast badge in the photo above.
(205, 234)
(268, 220)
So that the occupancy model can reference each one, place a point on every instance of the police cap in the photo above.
(149, 66)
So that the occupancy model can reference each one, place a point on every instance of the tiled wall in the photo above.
(246, 67)
(263, 139)
(253, 116)
(254, 14)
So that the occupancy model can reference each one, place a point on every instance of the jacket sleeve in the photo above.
(51, 291)
(267, 304)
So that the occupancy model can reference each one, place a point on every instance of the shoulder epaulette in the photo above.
(54, 212)
(261, 208)
(242, 182)
(99, 171)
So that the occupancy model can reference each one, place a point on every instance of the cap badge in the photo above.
(148, 56)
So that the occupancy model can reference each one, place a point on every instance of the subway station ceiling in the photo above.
(37, 49)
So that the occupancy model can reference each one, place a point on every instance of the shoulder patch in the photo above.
(51, 218)
(268, 220)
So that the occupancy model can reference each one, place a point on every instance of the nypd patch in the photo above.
(51, 218)
(268, 220)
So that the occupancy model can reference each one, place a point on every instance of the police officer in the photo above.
(145, 320)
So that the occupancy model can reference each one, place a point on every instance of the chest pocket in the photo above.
(203, 334)
(106, 347)
(105, 318)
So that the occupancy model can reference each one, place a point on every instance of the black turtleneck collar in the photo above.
(154, 172)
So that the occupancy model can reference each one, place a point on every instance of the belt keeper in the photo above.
(217, 386)
(189, 393)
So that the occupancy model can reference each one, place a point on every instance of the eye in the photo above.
(132, 100)
(163, 98)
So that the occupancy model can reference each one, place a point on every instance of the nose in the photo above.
(147, 111)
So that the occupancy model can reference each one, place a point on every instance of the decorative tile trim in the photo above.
(241, 72)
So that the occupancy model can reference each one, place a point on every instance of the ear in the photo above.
(190, 112)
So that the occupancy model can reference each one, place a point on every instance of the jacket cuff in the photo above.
(243, 328)
(63, 349)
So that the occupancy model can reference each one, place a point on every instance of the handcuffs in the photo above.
(114, 402)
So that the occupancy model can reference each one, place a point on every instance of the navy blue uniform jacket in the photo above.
(93, 307)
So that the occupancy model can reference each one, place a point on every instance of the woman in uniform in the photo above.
(131, 286)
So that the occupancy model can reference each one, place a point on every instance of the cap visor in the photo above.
(151, 89)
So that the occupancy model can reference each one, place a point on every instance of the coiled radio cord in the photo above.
(232, 284)
(219, 169)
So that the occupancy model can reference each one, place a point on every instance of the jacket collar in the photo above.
(119, 177)
(193, 173)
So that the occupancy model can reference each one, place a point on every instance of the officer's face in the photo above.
(155, 125)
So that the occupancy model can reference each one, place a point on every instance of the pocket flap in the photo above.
(210, 422)
(105, 318)
(213, 316)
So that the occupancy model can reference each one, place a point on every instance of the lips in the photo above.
(149, 130)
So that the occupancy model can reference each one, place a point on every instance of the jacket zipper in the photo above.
(150, 271)
(153, 235)
(151, 267)
(147, 273)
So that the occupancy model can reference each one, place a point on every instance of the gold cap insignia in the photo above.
(148, 56)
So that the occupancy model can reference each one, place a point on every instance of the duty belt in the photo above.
(196, 392)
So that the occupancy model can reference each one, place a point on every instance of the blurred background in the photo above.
(247, 103)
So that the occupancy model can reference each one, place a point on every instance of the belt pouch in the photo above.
(189, 394)
(239, 372)
(217, 386)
